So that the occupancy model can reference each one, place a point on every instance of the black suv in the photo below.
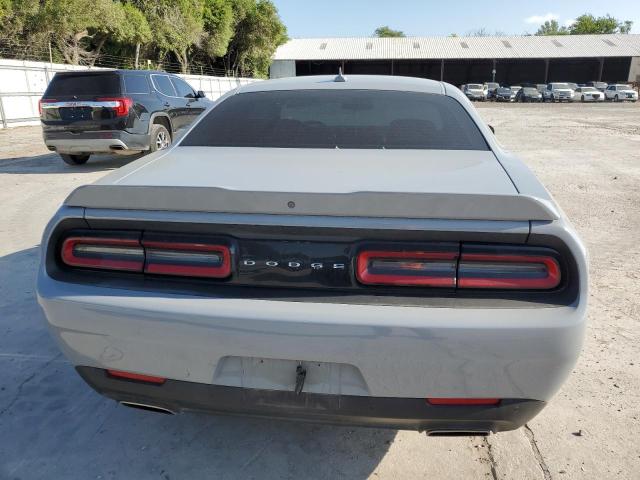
(116, 111)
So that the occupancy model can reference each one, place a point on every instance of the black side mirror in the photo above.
(200, 94)
(492, 129)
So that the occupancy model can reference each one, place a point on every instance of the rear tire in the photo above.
(75, 159)
(160, 138)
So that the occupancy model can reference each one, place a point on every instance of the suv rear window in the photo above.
(81, 83)
(338, 119)
(136, 84)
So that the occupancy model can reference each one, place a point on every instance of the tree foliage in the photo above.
(552, 27)
(385, 31)
(586, 24)
(239, 34)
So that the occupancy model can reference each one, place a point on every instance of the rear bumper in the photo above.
(400, 413)
(115, 141)
(368, 350)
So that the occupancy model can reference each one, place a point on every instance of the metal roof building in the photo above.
(577, 58)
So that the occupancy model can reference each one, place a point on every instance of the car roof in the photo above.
(352, 82)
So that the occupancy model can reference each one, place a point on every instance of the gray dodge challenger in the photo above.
(351, 250)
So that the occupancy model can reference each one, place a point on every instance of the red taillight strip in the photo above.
(70, 258)
(181, 266)
(137, 376)
(368, 278)
(122, 104)
(463, 401)
(43, 100)
(552, 279)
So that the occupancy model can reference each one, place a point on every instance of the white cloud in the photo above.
(540, 19)
(568, 23)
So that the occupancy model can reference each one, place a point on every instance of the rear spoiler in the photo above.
(454, 206)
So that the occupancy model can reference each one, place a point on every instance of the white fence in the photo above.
(22, 83)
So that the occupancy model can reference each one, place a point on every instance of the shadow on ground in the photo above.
(52, 425)
(52, 163)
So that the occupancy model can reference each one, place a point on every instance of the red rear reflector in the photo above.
(463, 401)
(103, 253)
(137, 376)
(187, 259)
(508, 271)
(121, 104)
(407, 268)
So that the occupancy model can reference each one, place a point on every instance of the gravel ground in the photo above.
(53, 426)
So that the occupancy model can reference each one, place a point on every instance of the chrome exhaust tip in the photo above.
(148, 408)
(458, 433)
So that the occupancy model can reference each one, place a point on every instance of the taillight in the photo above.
(103, 253)
(433, 268)
(120, 105)
(508, 268)
(187, 259)
(43, 100)
(154, 254)
(499, 267)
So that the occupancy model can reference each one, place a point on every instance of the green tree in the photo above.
(218, 26)
(258, 32)
(135, 29)
(551, 27)
(73, 25)
(177, 26)
(588, 24)
(385, 32)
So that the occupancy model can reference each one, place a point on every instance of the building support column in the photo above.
(442, 70)
(392, 66)
(600, 69)
(546, 71)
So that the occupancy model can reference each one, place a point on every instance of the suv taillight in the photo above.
(121, 105)
(124, 251)
(43, 100)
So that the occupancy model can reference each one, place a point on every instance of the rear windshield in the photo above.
(338, 119)
(84, 84)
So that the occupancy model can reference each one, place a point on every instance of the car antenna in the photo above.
(340, 77)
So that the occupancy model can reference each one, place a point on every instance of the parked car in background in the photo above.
(589, 94)
(558, 92)
(490, 88)
(602, 86)
(475, 91)
(621, 93)
(302, 253)
(515, 88)
(505, 94)
(574, 87)
(116, 111)
(528, 94)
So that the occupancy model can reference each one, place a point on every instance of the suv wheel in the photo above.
(160, 138)
(617, 98)
(75, 159)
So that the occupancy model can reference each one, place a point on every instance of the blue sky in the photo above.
(352, 18)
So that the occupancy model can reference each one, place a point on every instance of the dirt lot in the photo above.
(53, 426)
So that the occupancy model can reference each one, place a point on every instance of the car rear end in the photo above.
(86, 112)
(324, 285)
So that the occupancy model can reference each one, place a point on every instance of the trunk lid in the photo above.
(370, 183)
